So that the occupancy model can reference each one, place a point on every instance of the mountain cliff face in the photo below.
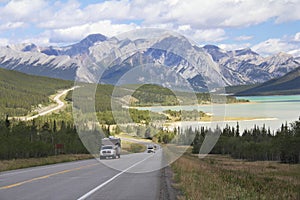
(233, 67)
(169, 64)
(36, 63)
(247, 67)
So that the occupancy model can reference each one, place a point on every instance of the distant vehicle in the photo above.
(150, 149)
(110, 148)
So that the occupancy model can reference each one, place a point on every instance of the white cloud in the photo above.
(230, 47)
(209, 35)
(63, 15)
(197, 14)
(270, 46)
(41, 41)
(11, 25)
(203, 21)
(77, 33)
(288, 9)
(22, 11)
(297, 37)
(276, 45)
(295, 52)
(168, 26)
(110, 10)
(4, 41)
(184, 28)
(215, 13)
(243, 38)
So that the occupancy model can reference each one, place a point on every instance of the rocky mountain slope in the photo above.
(232, 67)
(247, 67)
(37, 63)
(287, 84)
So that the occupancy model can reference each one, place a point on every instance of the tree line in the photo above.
(258, 143)
(38, 139)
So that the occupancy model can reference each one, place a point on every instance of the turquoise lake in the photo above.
(270, 111)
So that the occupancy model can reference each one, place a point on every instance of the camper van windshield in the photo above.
(107, 147)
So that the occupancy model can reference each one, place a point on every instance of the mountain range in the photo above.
(286, 85)
(245, 66)
(237, 67)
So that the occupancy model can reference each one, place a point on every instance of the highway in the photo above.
(49, 109)
(130, 177)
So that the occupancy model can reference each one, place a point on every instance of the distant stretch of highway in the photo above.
(90, 179)
(50, 109)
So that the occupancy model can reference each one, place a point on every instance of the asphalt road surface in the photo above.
(130, 177)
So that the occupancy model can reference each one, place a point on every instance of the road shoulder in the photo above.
(167, 191)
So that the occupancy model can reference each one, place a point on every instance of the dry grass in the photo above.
(32, 162)
(221, 177)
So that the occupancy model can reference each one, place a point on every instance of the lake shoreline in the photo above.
(206, 104)
(179, 123)
(268, 111)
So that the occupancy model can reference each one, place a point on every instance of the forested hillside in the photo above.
(150, 94)
(285, 85)
(19, 92)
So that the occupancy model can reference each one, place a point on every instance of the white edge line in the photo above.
(109, 180)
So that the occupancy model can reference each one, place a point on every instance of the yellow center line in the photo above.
(45, 176)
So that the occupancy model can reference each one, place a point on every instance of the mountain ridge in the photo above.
(242, 66)
(287, 84)
(81, 47)
(245, 66)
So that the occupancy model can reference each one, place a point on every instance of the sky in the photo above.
(266, 26)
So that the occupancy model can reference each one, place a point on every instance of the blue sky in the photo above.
(266, 26)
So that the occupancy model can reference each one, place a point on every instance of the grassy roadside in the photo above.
(221, 177)
(6, 165)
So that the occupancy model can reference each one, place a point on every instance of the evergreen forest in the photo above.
(22, 93)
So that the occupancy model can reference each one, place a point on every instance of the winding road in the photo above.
(49, 109)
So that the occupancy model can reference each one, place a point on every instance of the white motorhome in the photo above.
(110, 148)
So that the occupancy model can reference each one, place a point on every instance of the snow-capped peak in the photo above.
(235, 67)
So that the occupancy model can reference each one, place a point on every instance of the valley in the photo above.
(58, 104)
(149, 100)
(22, 93)
(182, 106)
